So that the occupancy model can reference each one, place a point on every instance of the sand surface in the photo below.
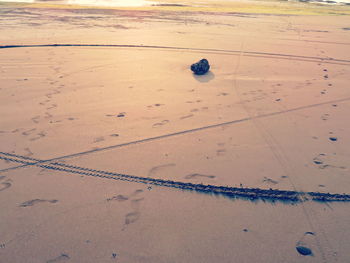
(272, 113)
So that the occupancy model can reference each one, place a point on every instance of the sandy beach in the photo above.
(112, 150)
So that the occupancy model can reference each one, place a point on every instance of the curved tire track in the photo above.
(221, 51)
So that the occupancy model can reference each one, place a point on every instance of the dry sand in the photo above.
(272, 113)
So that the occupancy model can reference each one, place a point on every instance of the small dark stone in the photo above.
(201, 67)
(245, 230)
(304, 250)
(309, 233)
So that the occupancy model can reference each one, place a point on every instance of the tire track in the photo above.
(251, 194)
(223, 51)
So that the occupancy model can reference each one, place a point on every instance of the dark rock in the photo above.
(201, 67)
(305, 251)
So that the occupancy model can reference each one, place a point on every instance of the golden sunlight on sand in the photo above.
(113, 150)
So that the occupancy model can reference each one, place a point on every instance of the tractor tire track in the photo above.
(251, 194)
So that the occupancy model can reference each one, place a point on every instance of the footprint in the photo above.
(37, 201)
(137, 200)
(52, 106)
(40, 135)
(119, 198)
(16, 130)
(61, 258)
(160, 123)
(131, 217)
(269, 181)
(6, 185)
(302, 247)
(29, 152)
(191, 176)
(99, 139)
(325, 117)
(138, 191)
(186, 117)
(319, 160)
(35, 119)
(221, 152)
(156, 169)
(28, 132)
(48, 115)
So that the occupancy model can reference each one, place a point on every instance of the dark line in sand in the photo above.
(251, 194)
(173, 134)
(325, 59)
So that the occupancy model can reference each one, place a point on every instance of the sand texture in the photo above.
(112, 150)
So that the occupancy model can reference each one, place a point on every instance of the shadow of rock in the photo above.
(204, 78)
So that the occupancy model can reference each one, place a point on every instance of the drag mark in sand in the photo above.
(252, 194)
(164, 136)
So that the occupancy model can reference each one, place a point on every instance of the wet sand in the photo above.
(89, 95)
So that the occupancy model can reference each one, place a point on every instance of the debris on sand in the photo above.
(201, 67)
(305, 251)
